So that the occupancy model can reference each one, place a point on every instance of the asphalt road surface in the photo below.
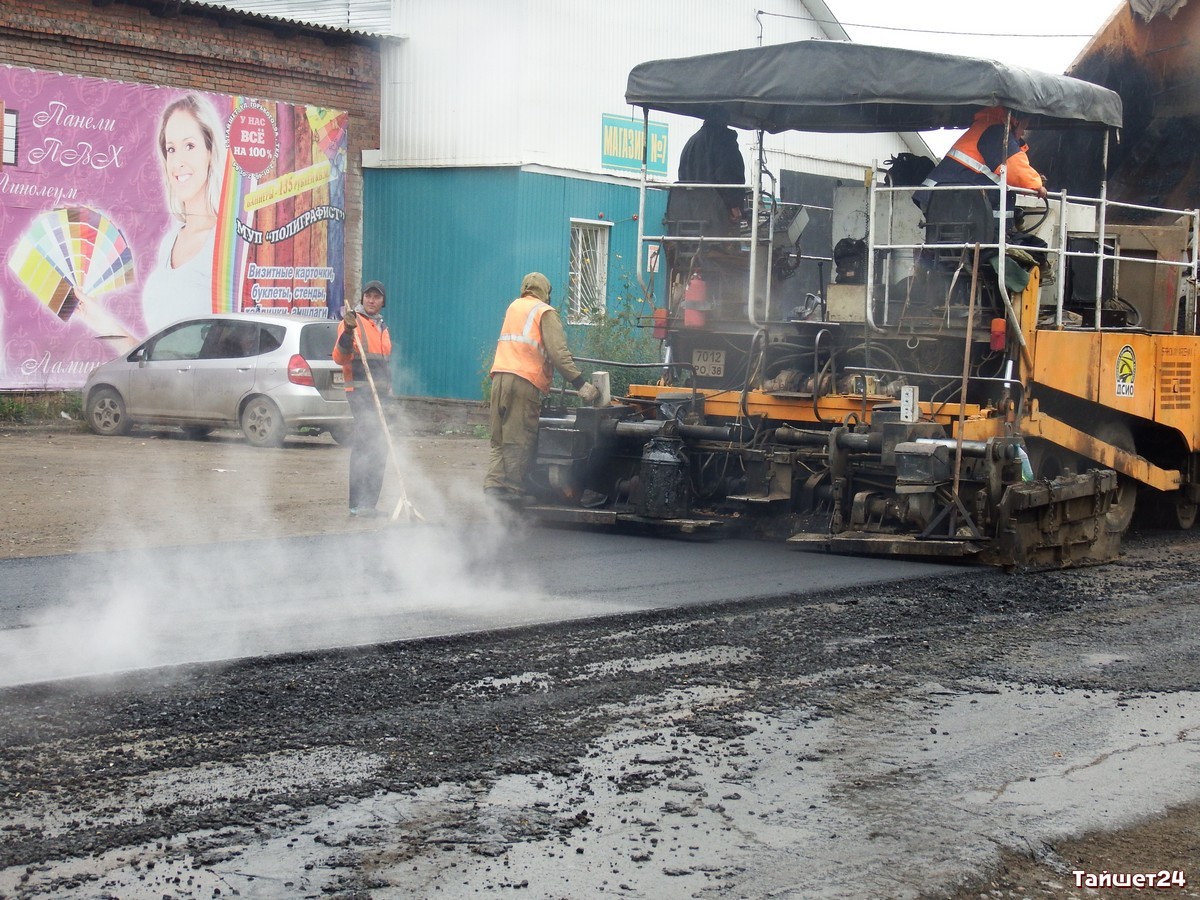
(97, 613)
(514, 711)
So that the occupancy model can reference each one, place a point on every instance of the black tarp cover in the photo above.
(836, 86)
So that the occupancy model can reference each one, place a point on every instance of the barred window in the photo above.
(589, 272)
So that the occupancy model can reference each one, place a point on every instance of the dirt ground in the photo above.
(79, 749)
(62, 487)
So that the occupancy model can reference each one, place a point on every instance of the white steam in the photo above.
(236, 592)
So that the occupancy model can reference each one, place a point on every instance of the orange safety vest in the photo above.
(966, 152)
(378, 345)
(520, 349)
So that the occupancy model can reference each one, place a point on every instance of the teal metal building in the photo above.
(452, 245)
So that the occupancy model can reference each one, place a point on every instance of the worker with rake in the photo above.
(363, 349)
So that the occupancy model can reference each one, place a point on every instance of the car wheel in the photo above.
(106, 413)
(196, 432)
(342, 434)
(262, 423)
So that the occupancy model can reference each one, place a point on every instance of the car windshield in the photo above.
(316, 340)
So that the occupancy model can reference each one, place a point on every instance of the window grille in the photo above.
(588, 284)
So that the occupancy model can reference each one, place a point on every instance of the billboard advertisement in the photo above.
(124, 207)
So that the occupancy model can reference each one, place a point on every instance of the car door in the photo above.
(160, 386)
(224, 373)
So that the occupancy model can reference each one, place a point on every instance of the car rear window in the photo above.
(271, 338)
(316, 340)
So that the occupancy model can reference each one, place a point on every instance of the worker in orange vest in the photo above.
(368, 450)
(531, 347)
(977, 155)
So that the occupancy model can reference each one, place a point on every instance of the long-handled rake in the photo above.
(403, 505)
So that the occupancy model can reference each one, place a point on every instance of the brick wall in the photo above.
(181, 44)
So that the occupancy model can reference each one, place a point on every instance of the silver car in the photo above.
(266, 373)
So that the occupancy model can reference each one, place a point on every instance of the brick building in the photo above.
(178, 44)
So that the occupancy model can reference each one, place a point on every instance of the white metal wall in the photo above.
(451, 92)
(524, 82)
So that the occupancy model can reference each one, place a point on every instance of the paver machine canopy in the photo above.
(833, 86)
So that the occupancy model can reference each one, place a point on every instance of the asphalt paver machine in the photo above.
(992, 377)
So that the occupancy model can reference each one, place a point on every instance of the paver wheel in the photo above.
(1120, 514)
(1049, 460)
(1172, 509)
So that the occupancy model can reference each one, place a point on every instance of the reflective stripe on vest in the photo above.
(519, 349)
(376, 343)
(973, 164)
(378, 365)
(524, 336)
(976, 166)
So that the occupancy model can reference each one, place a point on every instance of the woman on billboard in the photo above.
(191, 143)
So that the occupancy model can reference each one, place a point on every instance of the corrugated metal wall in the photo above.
(360, 15)
(524, 82)
(452, 246)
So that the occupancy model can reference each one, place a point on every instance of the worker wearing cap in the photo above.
(978, 154)
(363, 325)
(532, 346)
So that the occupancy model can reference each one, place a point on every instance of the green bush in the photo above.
(33, 407)
(619, 339)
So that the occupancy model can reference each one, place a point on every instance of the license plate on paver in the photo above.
(339, 378)
(709, 363)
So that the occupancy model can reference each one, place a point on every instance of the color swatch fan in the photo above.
(69, 252)
(327, 127)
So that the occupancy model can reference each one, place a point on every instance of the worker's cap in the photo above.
(376, 286)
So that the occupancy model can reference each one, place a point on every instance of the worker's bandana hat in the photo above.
(535, 284)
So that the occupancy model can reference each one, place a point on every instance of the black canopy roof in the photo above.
(837, 86)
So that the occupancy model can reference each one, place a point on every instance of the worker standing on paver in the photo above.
(531, 347)
(711, 156)
(977, 155)
(363, 331)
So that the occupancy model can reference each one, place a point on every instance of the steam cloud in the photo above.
(251, 595)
